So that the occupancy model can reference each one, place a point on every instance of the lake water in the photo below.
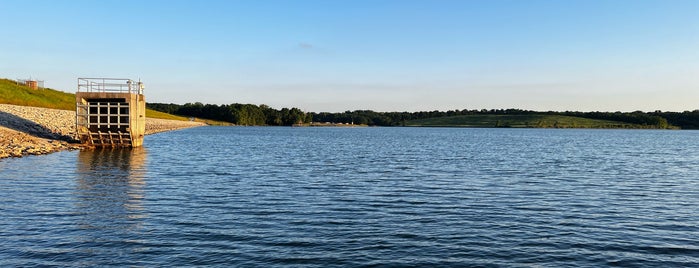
(336, 197)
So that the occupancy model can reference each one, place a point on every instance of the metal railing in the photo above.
(117, 85)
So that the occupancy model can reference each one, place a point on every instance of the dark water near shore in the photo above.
(325, 197)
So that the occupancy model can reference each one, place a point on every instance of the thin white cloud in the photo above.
(304, 45)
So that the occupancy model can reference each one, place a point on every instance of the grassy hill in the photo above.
(161, 115)
(12, 93)
(519, 121)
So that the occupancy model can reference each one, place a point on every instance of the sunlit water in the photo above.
(325, 197)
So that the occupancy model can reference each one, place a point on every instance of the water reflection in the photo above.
(110, 188)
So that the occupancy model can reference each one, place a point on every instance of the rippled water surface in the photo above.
(325, 197)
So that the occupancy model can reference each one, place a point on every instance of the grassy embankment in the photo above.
(12, 93)
(519, 121)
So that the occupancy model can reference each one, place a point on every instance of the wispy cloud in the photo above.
(305, 45)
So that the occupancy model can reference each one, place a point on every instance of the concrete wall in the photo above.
(137, 113)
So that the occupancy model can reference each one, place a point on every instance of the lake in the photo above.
(357, 197)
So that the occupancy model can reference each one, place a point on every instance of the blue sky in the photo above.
(379, 55)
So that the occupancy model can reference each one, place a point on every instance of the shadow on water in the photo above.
(23, 125)
(109, 197)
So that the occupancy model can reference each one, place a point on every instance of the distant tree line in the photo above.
(657, 119)
(239, 114)
(637, 117)
(254, 115)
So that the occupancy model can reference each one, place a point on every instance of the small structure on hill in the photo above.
(31, 83)
(110, 112)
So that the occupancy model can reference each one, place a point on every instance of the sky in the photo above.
(381, 55)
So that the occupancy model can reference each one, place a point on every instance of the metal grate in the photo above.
(105, 123)
(110, 112)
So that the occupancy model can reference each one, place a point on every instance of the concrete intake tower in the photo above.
(110, 112)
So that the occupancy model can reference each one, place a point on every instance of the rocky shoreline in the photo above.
(34, 131)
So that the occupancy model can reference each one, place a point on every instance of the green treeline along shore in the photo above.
(263, 115)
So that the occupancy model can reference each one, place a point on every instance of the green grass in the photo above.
(519, 121)
(11, 93)
(161, 115)
(157, 114)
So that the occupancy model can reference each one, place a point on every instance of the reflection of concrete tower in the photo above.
(110, 112)
(110, 188)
